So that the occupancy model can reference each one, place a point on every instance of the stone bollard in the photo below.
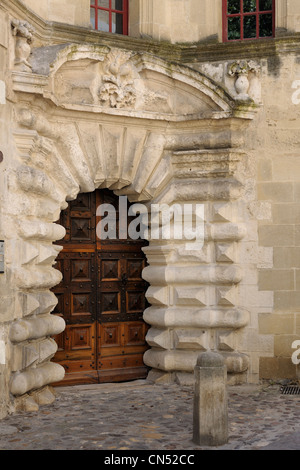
(210, 422)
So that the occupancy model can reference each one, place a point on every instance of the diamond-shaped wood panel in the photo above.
(135, 301)
(81, 270)
(82, 203)
(111, 335)
(81, 337)
(110, 269)
(80, 303)
(135, 334)
(135, 268)
(80, 229)
(110, 302)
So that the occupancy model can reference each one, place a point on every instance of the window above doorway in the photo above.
(248, 19)
(110, 16)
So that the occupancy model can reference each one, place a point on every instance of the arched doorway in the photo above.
(101, 296)
(172, 136)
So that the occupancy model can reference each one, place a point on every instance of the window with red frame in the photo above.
(248, 19)
(110, 16)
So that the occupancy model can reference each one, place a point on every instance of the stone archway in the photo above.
(157, 132)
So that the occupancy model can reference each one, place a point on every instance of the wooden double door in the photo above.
(101, 298)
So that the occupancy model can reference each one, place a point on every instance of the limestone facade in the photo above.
(185, 119)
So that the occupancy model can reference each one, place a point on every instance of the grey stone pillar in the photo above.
(210, 421)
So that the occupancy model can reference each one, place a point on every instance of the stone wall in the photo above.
(278, 187)
(75, 12)
(6, 297)
(174, 21)
(272, 144)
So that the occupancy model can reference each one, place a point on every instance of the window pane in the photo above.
(92, 2)
(103, 20)
(234, 28)
(265, 5)
(117, 5)
(249, 5)
(265, 25)
(233, 6)
(250, 26)
(103, 3)
(93, 19)
(117, 23)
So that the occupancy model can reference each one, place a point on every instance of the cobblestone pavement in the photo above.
(143, 416)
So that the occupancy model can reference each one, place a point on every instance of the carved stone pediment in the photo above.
(115, 81)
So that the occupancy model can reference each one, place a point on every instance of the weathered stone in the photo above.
(190, 339)
(210, 419)
(26, 403)
(23, 382)
(161, 120)
(38, 327)
(185, 361)
(197, 318)
(45, 396)
(159, 338)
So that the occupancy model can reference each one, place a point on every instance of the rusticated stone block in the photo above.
(45, 396)
(225, 253)
(26, 403)
(213, 274)
(37, 278)
(191, 295)
(34, 328)
(23, 382)
(28, 304)
(41, 230)
(31, 353)
(158, 295)
(159, 338)
(197, 318)
(185, 361)
(23, 356)
(190, 339)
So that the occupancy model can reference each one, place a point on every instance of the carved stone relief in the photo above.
(118, 89)
(118, 81)
(241, 70)
(23, 32)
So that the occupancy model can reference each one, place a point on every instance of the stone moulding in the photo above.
(118, 82)
(155, 132)
(233, 318)
(185, 361)
(34, 328)
(36, 378)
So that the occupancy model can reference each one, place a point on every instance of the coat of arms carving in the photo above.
(117, 89)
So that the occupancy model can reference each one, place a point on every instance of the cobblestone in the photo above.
(143, 416)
